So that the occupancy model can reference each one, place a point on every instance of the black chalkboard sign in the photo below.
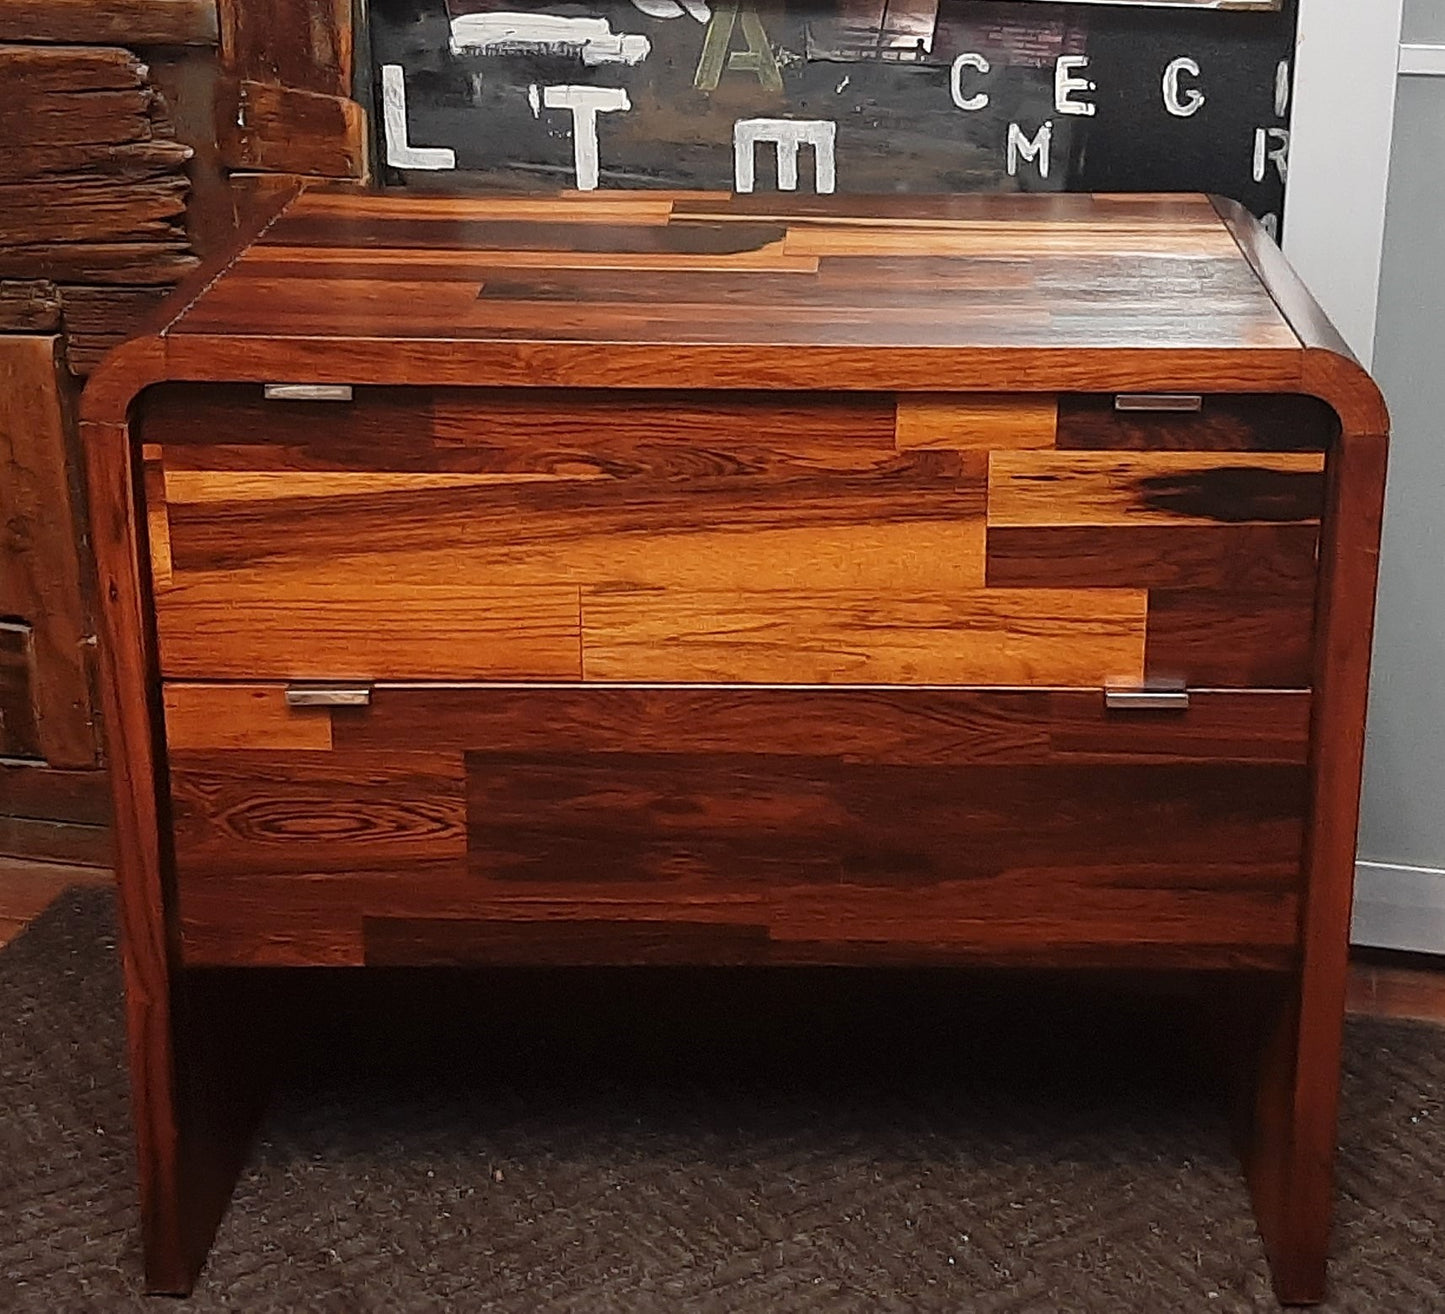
(833, 95)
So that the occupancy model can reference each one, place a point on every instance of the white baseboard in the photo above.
(1398, 907)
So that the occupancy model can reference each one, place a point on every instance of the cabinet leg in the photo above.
(1288, 1139)
(199, 1091)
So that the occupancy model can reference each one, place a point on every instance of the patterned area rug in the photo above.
(642, 1142)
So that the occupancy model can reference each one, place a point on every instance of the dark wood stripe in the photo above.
(1252, 558)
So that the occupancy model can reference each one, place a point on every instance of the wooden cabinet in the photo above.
(638, 579)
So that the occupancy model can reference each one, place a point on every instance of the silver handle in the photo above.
(1159, 401)
(328, 695)
(1422, 61)
(315, 392)
(1146, 700)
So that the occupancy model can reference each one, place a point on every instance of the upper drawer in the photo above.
(475, 534)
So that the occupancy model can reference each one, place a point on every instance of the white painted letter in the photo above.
(400, 153)
(585, 103)
(969, 59)
(1281, 88)
(672, 9)
(1193, 100)
(591, 40)
(1020, 147)
(1265, 154)
(786, 135)
(1065, 85)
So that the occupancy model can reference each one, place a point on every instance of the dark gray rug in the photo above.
(639, 1142)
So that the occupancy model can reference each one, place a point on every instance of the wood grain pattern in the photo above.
(1228, 423)
(506, 507)
(193, 1107)
(998, 636)
(653, 808)
(101, 22)
(1155, 488)
(307, 45)
(41, 581)
(1289, 1142)
(838, 547)
(1253, 640)
(980, 422)
(1072, 249)
(93, 185)
(250, 812)
(240, 716)
(286, 130)
(29, 305)
(34, 792)
(884, 727)
(1254, 558)
(442, 627)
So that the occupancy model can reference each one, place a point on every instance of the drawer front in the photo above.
(577, 824)
(472, 534)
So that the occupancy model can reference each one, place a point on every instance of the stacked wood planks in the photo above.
(93, 192)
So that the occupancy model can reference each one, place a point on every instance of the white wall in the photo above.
(1339, 161)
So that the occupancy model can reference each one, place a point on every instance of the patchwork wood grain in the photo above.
(1266, 422)
(525, 530)
(669, 269)
(290, 553)
(221, 625)
(984, 636)
(1162, 488)
(545, 534)
(1225, 541)
(717, 819)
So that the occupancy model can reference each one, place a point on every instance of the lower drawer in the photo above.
(492, 824)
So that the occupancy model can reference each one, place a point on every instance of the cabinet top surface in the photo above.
(764, 271)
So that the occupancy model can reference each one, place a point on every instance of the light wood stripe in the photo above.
(975, 421)
(1084, 638)
(219, 716)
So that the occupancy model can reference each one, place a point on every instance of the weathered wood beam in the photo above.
(40, 570)
(278, 130)
(144, 263)
(86, 210)
(29, 305)
(141, 159)
(31, 69)
(106, 22)
(99, 318)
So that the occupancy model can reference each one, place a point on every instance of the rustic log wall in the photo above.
(93, 190)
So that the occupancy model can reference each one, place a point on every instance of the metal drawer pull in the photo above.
(1421, 60)
(1146, 700)
(1159, 401)
(324, 392)
(328, 695)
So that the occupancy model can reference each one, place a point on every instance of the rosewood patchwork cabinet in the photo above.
(637, 578)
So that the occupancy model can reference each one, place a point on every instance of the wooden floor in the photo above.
(27, 888)
(1381, 984)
